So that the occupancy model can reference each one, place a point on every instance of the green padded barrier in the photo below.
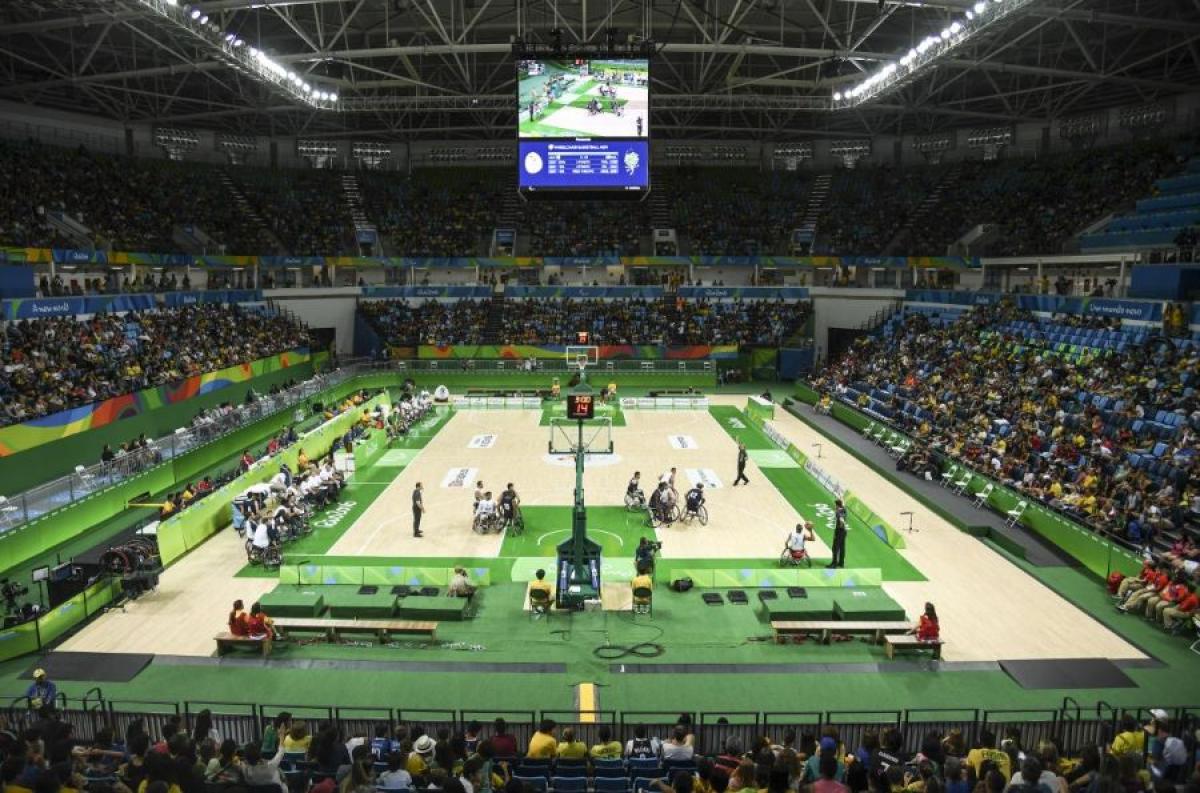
(866, 605)
(445, 609)
(310, 574)
(289, 574)
(426, 576)
(700, 578)
(345, 602)
(378, 575)
(18, 640)
(342, 574)
(818, 605)
(293, 601)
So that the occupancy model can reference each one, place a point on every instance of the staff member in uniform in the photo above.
(418, 509)
(741, 477)
(839, 535)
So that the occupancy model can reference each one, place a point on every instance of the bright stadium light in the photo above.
(234, 51)
(910, 65)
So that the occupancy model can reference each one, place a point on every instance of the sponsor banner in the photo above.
(825, 479)
(31, 308)
(790, 293)
(482, 442)
(683, 442)
(460, 477)
(428, 292)
(735, 423)
(174, 299)
(585, 292)
(1134, 310)
(332, 517)
(703, 476)
(557, 351)
(22, 437)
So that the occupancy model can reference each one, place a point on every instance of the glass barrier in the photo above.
(210, 426)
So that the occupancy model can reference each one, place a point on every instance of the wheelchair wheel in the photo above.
(477, 525)
(702, 514)
(675, 514)
(516, 526)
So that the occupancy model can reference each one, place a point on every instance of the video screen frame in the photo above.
(583, 98)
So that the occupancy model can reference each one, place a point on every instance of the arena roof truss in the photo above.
(442, 69)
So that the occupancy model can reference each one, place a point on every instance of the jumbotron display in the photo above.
(584, 125)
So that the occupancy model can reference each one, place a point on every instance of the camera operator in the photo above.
(643, 557)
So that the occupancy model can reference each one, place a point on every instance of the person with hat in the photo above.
(42, 691)
(421, 756)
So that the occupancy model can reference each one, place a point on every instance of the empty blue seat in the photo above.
(569, 784)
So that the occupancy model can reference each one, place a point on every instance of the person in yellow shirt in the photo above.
(539, 584)
(543, 745)
(297, 739)
(188, 495)
(1131, 739)
(607, 748)
(302, 460)
(985, 750)
(569, 748)
(418, 758)
(641, 581)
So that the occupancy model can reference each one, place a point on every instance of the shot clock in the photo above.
(580, 406)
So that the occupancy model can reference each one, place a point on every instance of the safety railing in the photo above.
(540, 365)
(1071, 726)
(17, 510)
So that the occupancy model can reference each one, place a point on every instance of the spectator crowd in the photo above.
(289, 754)
(668, 321)
(136, 205)
(1110, 437)
(52, 364)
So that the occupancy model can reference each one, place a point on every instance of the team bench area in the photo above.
(332, 629)
(825, 629)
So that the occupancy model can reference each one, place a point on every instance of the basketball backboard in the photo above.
(597, 436)
(581, 356)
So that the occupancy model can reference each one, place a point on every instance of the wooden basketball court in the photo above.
(989, 608)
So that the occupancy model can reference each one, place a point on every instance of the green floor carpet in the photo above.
(616, 529)
(815, 503)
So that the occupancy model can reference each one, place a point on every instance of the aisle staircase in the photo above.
(248, 211)
(929, 203)
(363, 227)
(493, 329)
(818, 199)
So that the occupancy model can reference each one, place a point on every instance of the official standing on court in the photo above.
(741, 477)
(839, 535)
(418, 509)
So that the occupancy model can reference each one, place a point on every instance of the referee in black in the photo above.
(839, 535)
(418, 508)
(741, 477)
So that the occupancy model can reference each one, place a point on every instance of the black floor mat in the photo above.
(768, 594)
(1067, 673)
(712, 598)
(400, 590)
(738, 597)
(102, 667)
(368, 590)
(797, 592)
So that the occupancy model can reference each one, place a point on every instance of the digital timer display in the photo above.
(580, 406)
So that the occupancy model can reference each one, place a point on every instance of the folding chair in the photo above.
(961, 485)
(982, 496)
(949, 474)
(1014, 514)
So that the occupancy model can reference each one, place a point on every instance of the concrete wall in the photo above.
(845, 308)
(322, 308)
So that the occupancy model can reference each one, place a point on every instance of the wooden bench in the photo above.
(227, 641)
(332, 628)
(826, 628)
(908, 642)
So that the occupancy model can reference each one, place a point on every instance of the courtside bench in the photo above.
(227, 641)
(876, 629)
(334, 628)
(909, 642)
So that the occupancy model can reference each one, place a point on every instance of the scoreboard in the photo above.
(583, 125)
(580, 406)
(604, 165)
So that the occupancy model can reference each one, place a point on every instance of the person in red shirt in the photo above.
(1130, 584)
(503, 743)
(247, 459)
(1181, 611)
(1171, 594)
(239, 623)
(1137, 601)
(258, 626)
(927, 629)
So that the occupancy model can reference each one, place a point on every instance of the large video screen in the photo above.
(584, 124)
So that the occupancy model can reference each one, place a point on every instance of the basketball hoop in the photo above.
(580, 356)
